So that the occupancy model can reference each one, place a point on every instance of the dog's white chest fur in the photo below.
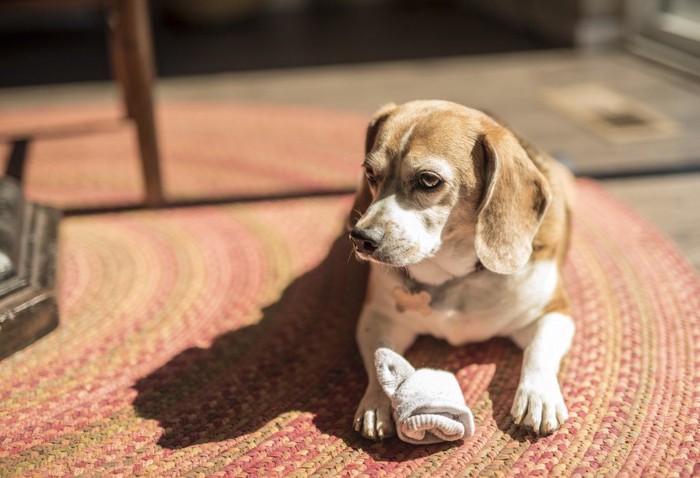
(475, 308)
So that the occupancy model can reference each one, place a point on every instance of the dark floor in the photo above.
(63, 47)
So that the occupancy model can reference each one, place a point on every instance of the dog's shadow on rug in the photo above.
(299, 357)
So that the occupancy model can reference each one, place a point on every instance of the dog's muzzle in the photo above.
(366, 241)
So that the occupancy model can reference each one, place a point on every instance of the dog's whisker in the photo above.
(358, 212)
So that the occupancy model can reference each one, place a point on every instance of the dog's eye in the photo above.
(369, 173)
(428, 180)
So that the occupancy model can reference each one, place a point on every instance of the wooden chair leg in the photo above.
(116, 41)
(132, 56)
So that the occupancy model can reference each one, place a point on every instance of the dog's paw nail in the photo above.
(373, 418)
(539, 408)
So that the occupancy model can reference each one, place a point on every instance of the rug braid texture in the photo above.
(219, 341)
(208, 150)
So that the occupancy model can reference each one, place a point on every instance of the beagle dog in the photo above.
(466, 228)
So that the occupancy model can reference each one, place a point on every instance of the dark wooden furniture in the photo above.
(131, 54)
(28, 235)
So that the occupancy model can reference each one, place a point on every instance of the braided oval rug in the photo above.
(219, 341)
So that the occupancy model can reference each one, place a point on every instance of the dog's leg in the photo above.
(373, 417)
(538, 403)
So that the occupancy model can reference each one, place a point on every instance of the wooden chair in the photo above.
(131, 54)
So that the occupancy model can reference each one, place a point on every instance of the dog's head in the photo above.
(439, 175)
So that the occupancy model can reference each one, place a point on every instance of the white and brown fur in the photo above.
(487, 243)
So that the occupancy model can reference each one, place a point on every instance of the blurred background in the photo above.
(203, 37)
(608, 86)
(60, 41)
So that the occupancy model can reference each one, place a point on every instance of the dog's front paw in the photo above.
(539, 405)
(373, 417)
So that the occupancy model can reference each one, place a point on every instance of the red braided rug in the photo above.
(208, 150)
(218, 341)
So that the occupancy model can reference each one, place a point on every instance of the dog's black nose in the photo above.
(366, 240)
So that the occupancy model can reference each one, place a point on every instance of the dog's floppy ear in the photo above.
(363, 198)
(516, 196)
